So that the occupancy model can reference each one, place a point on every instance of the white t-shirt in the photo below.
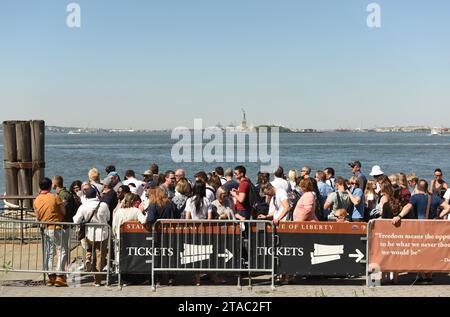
(210, 193)
(447, 198)
(281, 183)
(139, 185)
(226, 209)
(447, 194)
(126, 214)
(199, 214)
(276, 205)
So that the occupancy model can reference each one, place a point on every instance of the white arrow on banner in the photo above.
(227, 255)
(358, 255)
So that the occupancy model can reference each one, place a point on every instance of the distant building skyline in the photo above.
(162, 64)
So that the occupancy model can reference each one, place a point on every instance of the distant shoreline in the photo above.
(419, 130)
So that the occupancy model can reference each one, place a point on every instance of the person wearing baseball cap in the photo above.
(115, 180)
(356, 170)
(148, 175)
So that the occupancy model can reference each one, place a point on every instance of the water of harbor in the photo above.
(73, 155)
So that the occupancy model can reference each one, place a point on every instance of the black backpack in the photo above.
(253, 196)
(340, 205)
(293, 198)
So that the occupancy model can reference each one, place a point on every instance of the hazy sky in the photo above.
(157, 64)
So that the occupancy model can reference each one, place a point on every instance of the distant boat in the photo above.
(72, 132)
(435, 131)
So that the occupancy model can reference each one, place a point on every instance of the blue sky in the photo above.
(160, 64)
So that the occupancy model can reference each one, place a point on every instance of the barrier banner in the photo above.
(258, 239)
(135, 249)
(413, 246)
(179, 246)
(321, 248)
(197, 245)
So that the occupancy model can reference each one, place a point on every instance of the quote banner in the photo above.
(412, 246)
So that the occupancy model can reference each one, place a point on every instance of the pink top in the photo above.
(306, 208)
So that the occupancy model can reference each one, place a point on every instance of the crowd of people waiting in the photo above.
(228, 194)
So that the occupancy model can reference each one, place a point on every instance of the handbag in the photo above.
(81, 234)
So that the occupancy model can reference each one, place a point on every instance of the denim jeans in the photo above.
(64, 250)
(55, 245)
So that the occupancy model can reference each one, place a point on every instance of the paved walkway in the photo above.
(32, 286)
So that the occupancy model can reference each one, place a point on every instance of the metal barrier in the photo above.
(52, 247)
(213, 246)
(18, 211)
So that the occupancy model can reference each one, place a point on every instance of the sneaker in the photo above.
(96, 284)
(60, 281)
(51, 280)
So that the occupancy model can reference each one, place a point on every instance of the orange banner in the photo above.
(413, 246)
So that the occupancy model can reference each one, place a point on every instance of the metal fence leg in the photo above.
(108, 260)
(153, 258)
(273, 257)
(43, 252)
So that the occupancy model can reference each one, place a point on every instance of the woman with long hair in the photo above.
(262, 206)
(182, 193)
(370, 196)
(390, 207)
(292, 178)
(160, 207)
(405, 194)
(75, 190)
(223, 206)
(198, 207)
(413, 182)
(127, 212)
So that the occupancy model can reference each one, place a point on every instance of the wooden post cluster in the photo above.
(23, 157)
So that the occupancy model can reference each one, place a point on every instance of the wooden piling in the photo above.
(23, 138)
(10, 156)
(37, 153)
(24, 159)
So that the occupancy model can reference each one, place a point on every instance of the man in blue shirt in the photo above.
(419, 204)
(356, 170)
(324, 190)
(356, 195)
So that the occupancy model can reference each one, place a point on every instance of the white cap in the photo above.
(376, 171)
